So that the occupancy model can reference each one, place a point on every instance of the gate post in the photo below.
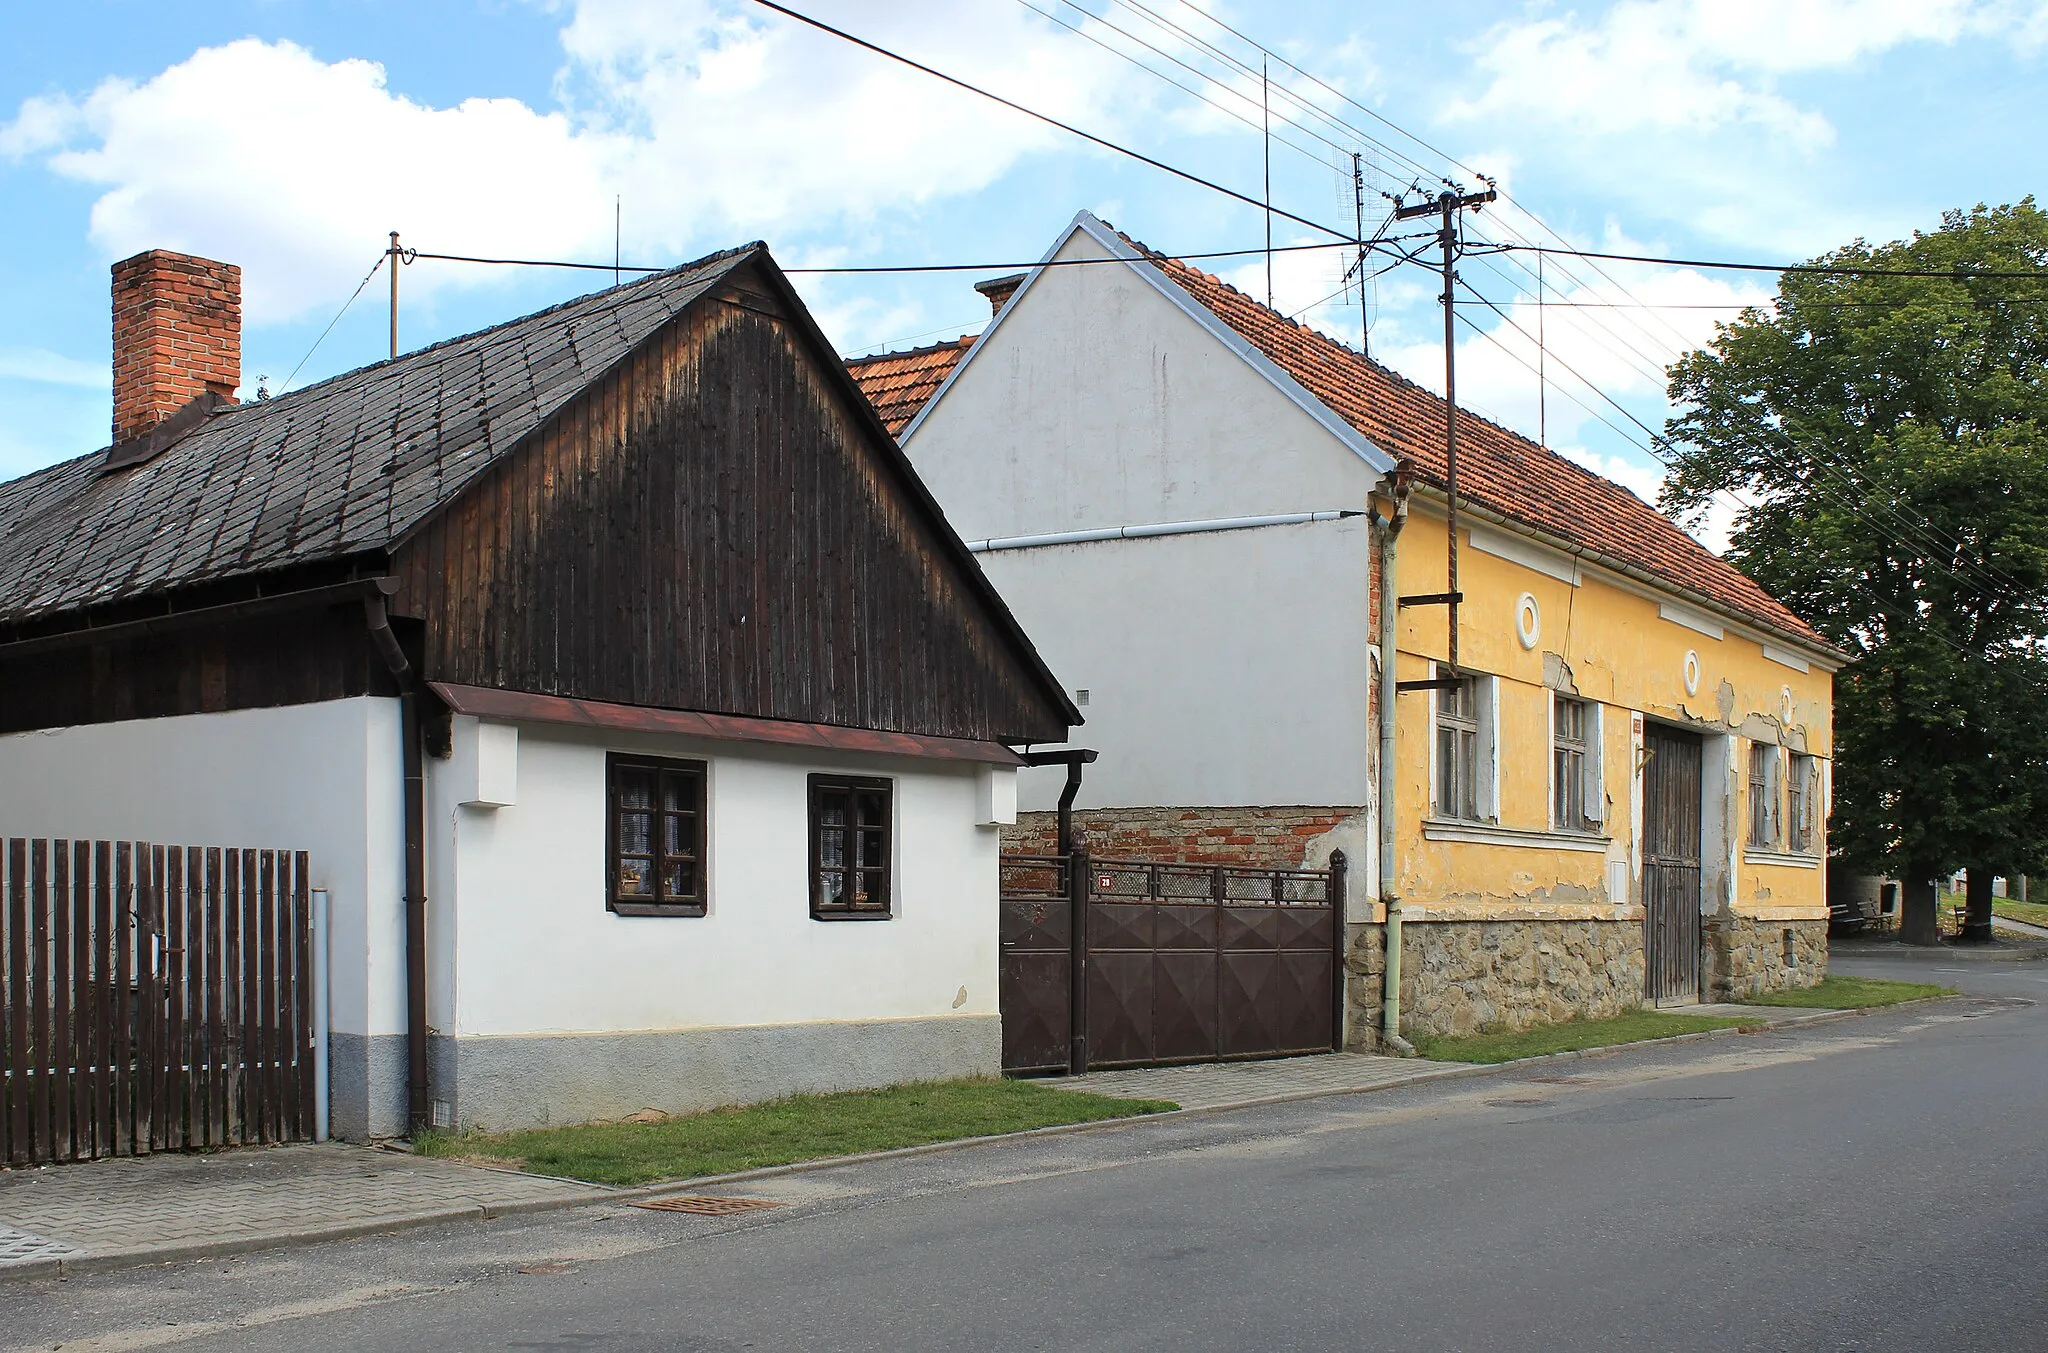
(1080, 884)
(1340, 876)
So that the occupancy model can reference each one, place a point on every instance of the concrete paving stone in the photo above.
(103, 1208)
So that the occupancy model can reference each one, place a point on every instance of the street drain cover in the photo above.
(705, 1206)
(1512, 1103)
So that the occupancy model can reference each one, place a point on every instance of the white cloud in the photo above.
(1703, 64)
(49, 368)
(714, 120)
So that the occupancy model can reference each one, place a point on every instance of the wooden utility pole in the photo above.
(1447, 205)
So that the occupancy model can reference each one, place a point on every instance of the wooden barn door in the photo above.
(1671, 866)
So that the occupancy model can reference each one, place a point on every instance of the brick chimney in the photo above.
(999, 290)
(177, 336)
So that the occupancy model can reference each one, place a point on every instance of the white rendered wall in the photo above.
(1097, 402)
(321, 778)
(1226, 668)
(539, 953)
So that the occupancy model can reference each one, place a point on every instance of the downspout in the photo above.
(1390, 999)
(418, 1091)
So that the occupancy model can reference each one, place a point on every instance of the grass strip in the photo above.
(803, 1127)
(1851, 993)
(1571, 1036)
(2012, 909)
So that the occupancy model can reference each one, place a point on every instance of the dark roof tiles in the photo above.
(341, 468)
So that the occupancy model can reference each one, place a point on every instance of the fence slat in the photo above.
(177, 1134)
(123, 1022)
(62, 1042)
(103, 997)
(149, 981)
(302, 996)
(43, 1061)
(266, 1006)
(218, 973)
(252, 996)
(17, 1002)
(85, 1032)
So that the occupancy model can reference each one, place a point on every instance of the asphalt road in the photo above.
(1873, 1183)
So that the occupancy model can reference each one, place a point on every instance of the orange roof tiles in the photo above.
(1498, 470)
(899, 383)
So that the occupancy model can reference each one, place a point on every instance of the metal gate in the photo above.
(152, 998)
(1181, 963)
(1671, 866)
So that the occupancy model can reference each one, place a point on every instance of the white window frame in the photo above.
(1486, 748)
(1772, 789)
(1592, 778)
(1804, 772)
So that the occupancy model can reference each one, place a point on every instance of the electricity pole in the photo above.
(1447, 205)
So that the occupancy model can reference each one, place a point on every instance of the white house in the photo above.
(643, 719)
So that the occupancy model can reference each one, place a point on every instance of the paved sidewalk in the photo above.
(147, 1208)
(1211, 1085)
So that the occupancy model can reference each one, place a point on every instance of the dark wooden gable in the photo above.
(720, 523)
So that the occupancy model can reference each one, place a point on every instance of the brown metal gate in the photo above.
(1671, 865)
(152, 998)
(1182, 963)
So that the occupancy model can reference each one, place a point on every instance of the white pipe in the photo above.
(322, 1076)
(1165, 528)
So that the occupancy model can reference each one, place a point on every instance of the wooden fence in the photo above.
(152, 998)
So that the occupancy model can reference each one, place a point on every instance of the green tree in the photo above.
(1888, 437)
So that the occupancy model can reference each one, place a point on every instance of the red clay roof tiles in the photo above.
(899, 383)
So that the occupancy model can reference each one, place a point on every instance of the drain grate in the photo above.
(705, 1206)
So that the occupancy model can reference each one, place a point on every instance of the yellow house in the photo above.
(1231, 536)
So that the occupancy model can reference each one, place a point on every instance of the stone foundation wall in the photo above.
(1458, 977)
(1258, 838)
(1745, 957)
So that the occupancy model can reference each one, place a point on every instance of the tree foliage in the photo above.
(1889, 439)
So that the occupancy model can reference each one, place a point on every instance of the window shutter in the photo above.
(1774, 789)
(1596, 786)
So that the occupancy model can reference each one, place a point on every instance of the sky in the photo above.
(291, 137)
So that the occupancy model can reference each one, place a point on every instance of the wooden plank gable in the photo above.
(719, 524)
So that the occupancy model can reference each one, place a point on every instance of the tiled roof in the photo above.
(899, 383)
(1499, 470)
(342, 468)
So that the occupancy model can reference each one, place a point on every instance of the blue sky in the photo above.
(289, 137)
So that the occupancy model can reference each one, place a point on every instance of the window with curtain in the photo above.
(851, 848)
(655, 836)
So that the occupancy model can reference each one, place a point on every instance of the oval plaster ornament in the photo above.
(1692, 672)
(1528, 621)
(1785, 705)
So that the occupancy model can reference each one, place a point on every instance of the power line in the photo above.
(886, 268)
(1910, 528)
(1050, 121)
(331, 323)
(1824, 269)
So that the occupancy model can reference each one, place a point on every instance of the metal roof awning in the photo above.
(520, 706)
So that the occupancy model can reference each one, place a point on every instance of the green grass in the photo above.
(1851, 993)
(804, 1127)
(2034, 913)
(1570, 1036)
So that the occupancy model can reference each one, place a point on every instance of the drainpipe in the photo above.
(418, 1091)
(1390, 1000)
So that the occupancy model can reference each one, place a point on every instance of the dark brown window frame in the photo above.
(697, 772)
(852, 786)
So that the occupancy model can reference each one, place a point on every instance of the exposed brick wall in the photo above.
(1259, 838)
(177, 335)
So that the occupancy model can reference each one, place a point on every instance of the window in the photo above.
(655, 846)
(850, 848)
(1458, 750)
(1578, 797)
(1802, 792)
(1763, 796)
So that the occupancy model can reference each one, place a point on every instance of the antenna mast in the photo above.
(1266, 139)
(394, 254)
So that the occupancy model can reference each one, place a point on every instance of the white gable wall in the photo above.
(1223, 668)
